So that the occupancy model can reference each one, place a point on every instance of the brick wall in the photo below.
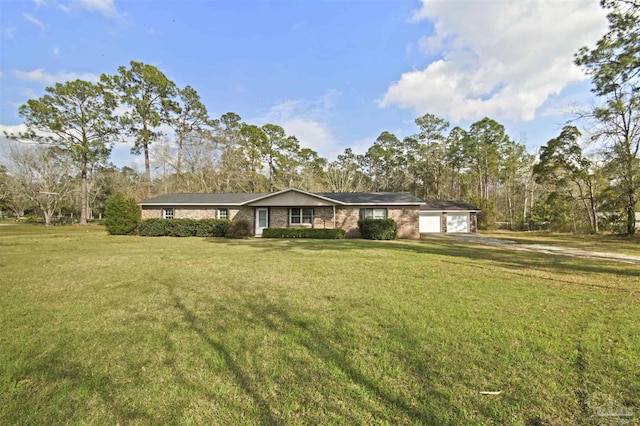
(278, 217)
(151, 212)
(473, 222)
(195, 213)
(323, 217)
(407, 219)
(347, 219)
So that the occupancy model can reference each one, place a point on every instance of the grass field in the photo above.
(99, 329)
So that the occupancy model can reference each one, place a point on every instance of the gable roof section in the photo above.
(320, 197)
(448, 206)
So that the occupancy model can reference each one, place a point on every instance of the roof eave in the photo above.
(189, 204)
(311, 194)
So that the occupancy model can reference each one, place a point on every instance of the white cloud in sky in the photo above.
(55, 51)
(41, 76)
(502, 59)
(307, 120)
(7, 32)
(29, 93)
(106, 7)
(39, 3)
(35, 21)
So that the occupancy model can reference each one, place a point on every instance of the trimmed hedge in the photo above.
(378, 229)
(322, 234)
(153, 227)
(212, 228)
(183, 227)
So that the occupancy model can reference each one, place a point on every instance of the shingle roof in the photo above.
(218, 199)
(372, 197)
(363, 198)
(447, 206)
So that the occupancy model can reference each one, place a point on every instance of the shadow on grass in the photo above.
(232, 365)
(326, 345)
(43, 383)
(469, 253)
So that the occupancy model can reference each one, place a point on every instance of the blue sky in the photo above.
(334, 73)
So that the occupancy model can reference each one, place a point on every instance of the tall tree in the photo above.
(429, 159)
(148, 96)
(614, 66)
(279, 151)
(191, 118)
(563, 164)
(344, 174)
(76, 117)
(43, 175)
(485, 142)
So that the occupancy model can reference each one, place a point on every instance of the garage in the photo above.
(458, 222)
(448, 216)
(430, 222)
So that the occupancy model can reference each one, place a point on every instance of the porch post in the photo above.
(334, 216)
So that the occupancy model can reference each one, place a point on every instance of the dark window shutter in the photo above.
(361, 213)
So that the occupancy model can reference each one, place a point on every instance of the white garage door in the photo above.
(430, 222)
(458, 222)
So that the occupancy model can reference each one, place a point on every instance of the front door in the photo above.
(262, 220)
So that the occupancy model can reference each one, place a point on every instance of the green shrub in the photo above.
(154, 227)
(212, 227)
(378, 229)
(181, 227)
(321, 234)
(487, 214)
(240, 228)
(122, 215)
(33, 219)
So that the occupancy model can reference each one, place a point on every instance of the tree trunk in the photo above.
(147, 168)
(84, 192)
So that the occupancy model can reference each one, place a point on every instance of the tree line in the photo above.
(62, 163)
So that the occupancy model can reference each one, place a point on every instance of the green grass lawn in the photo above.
(99, 329)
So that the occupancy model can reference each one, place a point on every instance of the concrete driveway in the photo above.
(542, 248)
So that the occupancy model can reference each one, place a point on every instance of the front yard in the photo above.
(100, 329)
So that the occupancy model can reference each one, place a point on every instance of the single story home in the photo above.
(297, 208)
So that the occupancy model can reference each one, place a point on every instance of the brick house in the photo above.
(293, 208)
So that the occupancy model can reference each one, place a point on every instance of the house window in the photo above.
(373, 213)
(300, 216)
(223, 214)
(167, 213)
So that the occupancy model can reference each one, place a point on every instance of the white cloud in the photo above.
(1, 74)
(29, 93)
(306, 120)
(498, 58)
(106, 7)
(39, 3)
(15, 130)
(55, 51)
(7, 32)
(41, 76)
(35, 21)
